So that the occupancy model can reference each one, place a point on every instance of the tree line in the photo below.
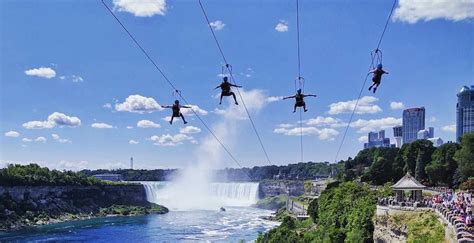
(343, 213)
(299, 171)
(34, 175)
(448, 165)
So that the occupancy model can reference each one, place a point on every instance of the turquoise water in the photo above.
(237, 223)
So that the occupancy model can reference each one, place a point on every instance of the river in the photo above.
(240, 222)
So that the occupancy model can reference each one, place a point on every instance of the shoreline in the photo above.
(43, 219)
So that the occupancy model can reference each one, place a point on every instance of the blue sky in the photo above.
(77, 93)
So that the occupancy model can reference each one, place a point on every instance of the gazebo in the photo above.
(408, 183)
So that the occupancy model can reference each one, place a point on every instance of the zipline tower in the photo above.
(131, 163)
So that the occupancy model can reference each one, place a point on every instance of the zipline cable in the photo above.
(177, 92)
(365, 81)
(298, 39)
(233, 80)
(300, 79)
(301, 137)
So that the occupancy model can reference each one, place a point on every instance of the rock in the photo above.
(271, 188)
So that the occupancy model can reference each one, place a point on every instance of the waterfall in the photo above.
(216, 195)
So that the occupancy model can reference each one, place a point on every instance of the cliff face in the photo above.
(21, 205)
(270, 188)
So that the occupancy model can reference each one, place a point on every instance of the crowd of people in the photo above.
(457, 209)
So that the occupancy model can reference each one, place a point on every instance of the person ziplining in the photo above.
(299, 100)
(226, 90)
(377, 77)
(176, 108)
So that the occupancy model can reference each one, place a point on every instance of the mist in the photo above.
(192, 187)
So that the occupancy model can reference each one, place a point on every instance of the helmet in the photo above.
(176, 101)
(299, 91)
(225, 79)
(379, 66)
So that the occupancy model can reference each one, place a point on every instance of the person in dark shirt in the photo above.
(176, 108)
(299, 100)
(226, 90)
(378, 72)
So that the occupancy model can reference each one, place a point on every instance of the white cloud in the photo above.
(189, 130)
(59, 139)
(72, 165)
(61, 119)
(285, 125)
(433, 119)
(101, 125)
(133, 142)
(322, 134)
(274, 98)
(282, 26)
(217, 25)
(141, 8)
(254, 99)
(40, 139)
(42, 72)
(449, 128)
(55, 119)
(147, 124)
(325, 121)
(170, 140)
(12, 134)
(196, 109)
(396, 105)
(38, 125)
(366, 106)
(77, 79)
(412, 11)
(129, 127)
(107, 106)
(376, 124)
(138, 104)
(73, 78)
(363, 139)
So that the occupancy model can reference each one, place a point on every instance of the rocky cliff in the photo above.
(26, 205)
(270, 188)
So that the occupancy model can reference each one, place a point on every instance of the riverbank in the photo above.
(237, 224)
(26, 206)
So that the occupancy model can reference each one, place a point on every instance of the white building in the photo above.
(436, 141)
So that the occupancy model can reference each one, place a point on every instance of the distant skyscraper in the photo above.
(426, 133)
(398, 134)
(377, 140)
(465, 112)
(413, 121)
(436, 141)
(131, 163)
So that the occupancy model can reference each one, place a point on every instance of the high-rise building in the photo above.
(436, 141)
(426, 133)
(413, 121)
(465, 112)
(377, 140)
(398, 134)
(131, 163)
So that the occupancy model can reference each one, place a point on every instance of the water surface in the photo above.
(237, 223)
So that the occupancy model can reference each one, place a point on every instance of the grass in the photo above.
(272, 203)
(420, 226)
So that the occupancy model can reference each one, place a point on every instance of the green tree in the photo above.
(411, 155)
(380, 171)
(465, 157)
(443, 166)
(313, 210)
